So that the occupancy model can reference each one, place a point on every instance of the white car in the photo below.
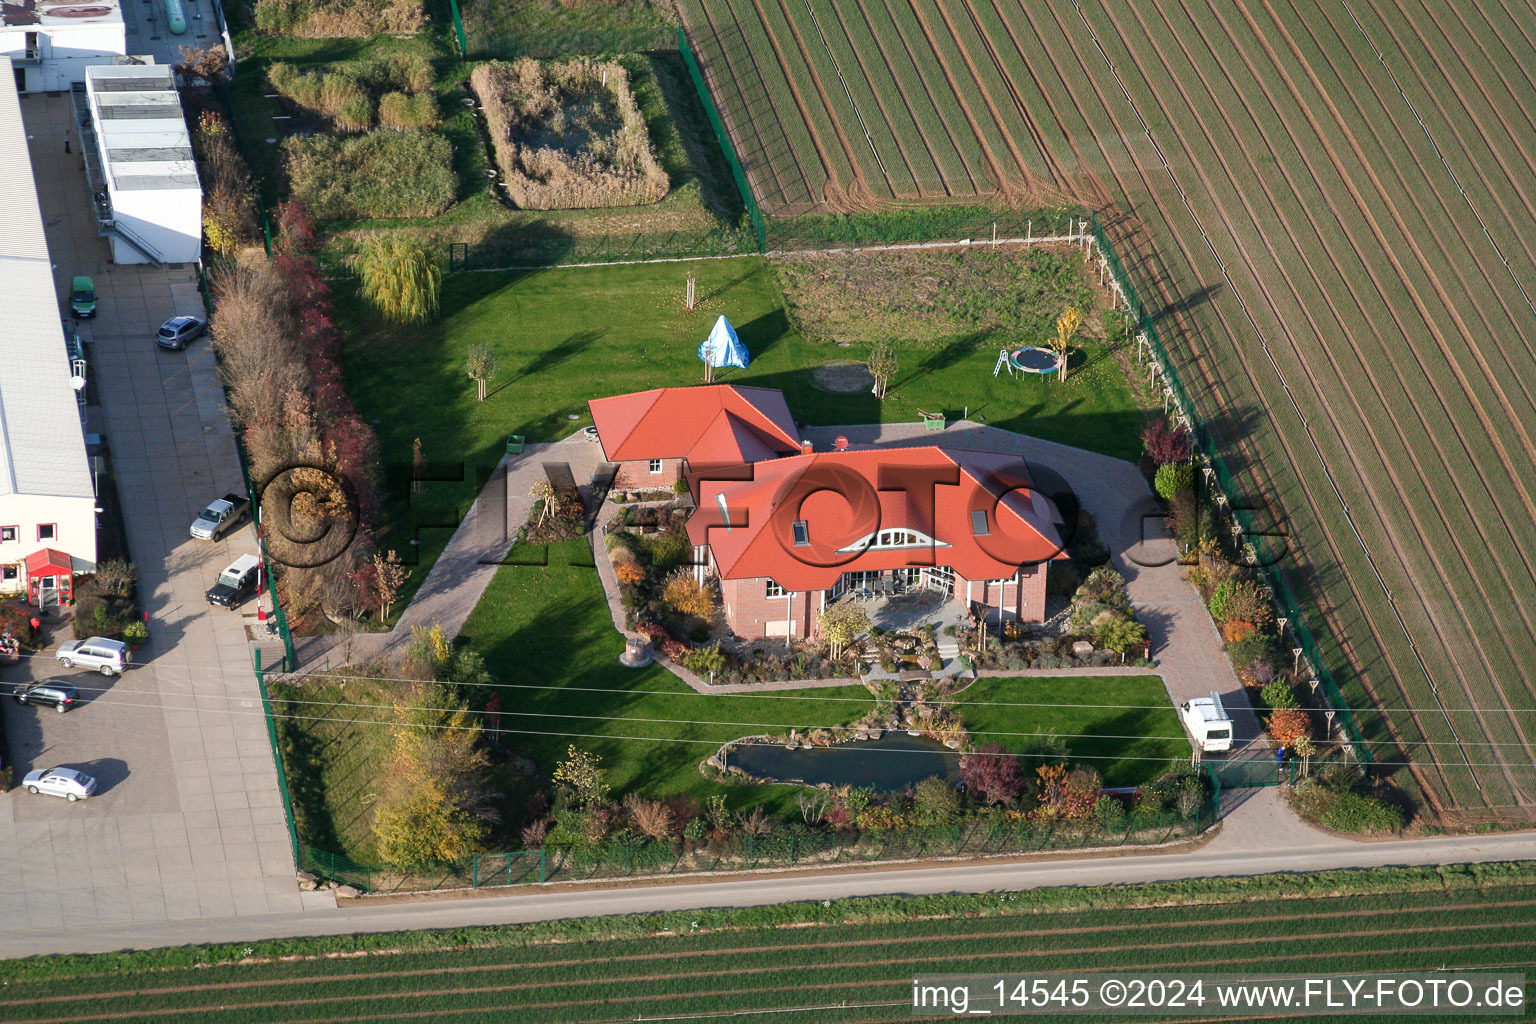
(72, 785)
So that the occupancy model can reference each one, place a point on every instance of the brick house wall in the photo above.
(636, 475)
(1024, 599)
(751, 614)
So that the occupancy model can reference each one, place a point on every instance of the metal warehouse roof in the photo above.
(42, 449)
(137, 114)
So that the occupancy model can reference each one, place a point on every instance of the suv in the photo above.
(235, 582)
(109, 657)
(60, 695)
(178, 330)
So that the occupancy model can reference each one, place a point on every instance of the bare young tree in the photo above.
(883, 364)
(388, 577)
(480, 364)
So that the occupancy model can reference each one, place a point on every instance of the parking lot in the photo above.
(189, 819)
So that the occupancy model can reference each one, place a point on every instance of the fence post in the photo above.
(543, 873)
(474, 875)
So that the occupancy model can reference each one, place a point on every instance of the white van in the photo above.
(1208, 724)
(109, 657)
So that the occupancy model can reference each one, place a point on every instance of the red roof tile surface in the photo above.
(845, 497)
(710, 424)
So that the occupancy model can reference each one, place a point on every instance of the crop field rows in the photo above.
(827, 972)
(1326, 200)
(1338, 223)
(840, 107)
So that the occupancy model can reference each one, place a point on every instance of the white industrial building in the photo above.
(47, 495)
(51, 44)
(145, 154)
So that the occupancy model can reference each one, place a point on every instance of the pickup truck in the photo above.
(235, 582)
(220, 517)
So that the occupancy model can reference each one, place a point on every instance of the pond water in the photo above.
(890, 763)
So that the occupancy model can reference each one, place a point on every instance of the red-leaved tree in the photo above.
(1287, 725)
(1165, 442)
(991, 775)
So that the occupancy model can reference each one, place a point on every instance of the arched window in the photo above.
(882, 540)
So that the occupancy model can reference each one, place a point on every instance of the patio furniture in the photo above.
(515, 444)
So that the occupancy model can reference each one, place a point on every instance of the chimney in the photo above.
(806, 448)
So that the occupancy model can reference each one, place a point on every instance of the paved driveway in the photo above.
(190, 822)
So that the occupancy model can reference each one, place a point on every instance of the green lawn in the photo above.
(1128, 744)
(547, 626)
(565, 335)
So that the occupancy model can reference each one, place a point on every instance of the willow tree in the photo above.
(399, 279)
(1066, 329)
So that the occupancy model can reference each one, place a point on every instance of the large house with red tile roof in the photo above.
(787, 531)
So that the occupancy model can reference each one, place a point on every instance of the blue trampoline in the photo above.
(1033, 360)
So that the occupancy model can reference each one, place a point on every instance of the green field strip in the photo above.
(1520, 525)
(772, 979)
(956, 16)
(781, 100)
(1363, 925)
(1414, 908)
(1041, 131)
(903, 95)
(1506, 92)
(1030, 70)
(1469, 296)
(931, 102)
(746, 105)
(1386, 449)
(908, 166)
(1478, 125)
(1309, 470)
(823, 108)
(985, 104)
(952, 89)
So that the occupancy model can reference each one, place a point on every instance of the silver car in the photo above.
(109, 657)
(68, 783)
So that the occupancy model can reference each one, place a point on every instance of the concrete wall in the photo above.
(75, 531)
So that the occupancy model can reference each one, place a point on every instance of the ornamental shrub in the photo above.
(1279, 694)
(935, 802)
(1251, 648)
(1361, 813)
(1174, 478)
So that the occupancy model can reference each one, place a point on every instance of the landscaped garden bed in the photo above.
(568, 135)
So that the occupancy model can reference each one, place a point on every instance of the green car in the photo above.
(82, 297)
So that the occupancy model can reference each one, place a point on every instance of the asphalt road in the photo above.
(1254, 841)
